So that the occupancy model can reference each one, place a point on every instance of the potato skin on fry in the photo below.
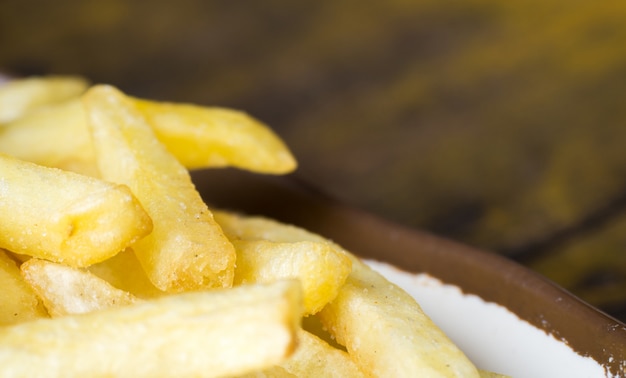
(64, 216)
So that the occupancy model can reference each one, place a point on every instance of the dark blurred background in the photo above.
(501, 124)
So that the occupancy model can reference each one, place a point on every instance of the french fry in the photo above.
(208, 334)
(187, 249)
(261, 257)
(67, 291)
(315, 358)
(321, 269)
(217, 137)
(387, 333)
(124, 272)
(199, 137)
(64, 216)
(17, 97)
(29, 138)
(19, 301)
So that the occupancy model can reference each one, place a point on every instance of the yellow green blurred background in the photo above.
(501, 124)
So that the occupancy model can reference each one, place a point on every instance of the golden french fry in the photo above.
(387, 333)
(316, 358)
(203, 137)
(199, 137)
(64, 216)
(19, 96)
(187, 249)
(19, 303)
(54, 136)
(202, 334)
(124, 272)
(66, 290)
(320, 267)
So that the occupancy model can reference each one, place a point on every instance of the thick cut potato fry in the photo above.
(387, 333)
(315, 358)
(263, 256)
(67, 291)
(17, 97)
(54, 136)
(202, 334)
(187, 249)
(124, 272)
(198, 137)
(321, 269)
(64, 216)
(216, 137)
(18, 302)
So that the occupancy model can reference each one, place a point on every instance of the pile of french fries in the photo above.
(112, 265)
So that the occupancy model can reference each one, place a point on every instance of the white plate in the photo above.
(491, 336)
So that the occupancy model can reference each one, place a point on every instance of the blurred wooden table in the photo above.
(499, 124)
